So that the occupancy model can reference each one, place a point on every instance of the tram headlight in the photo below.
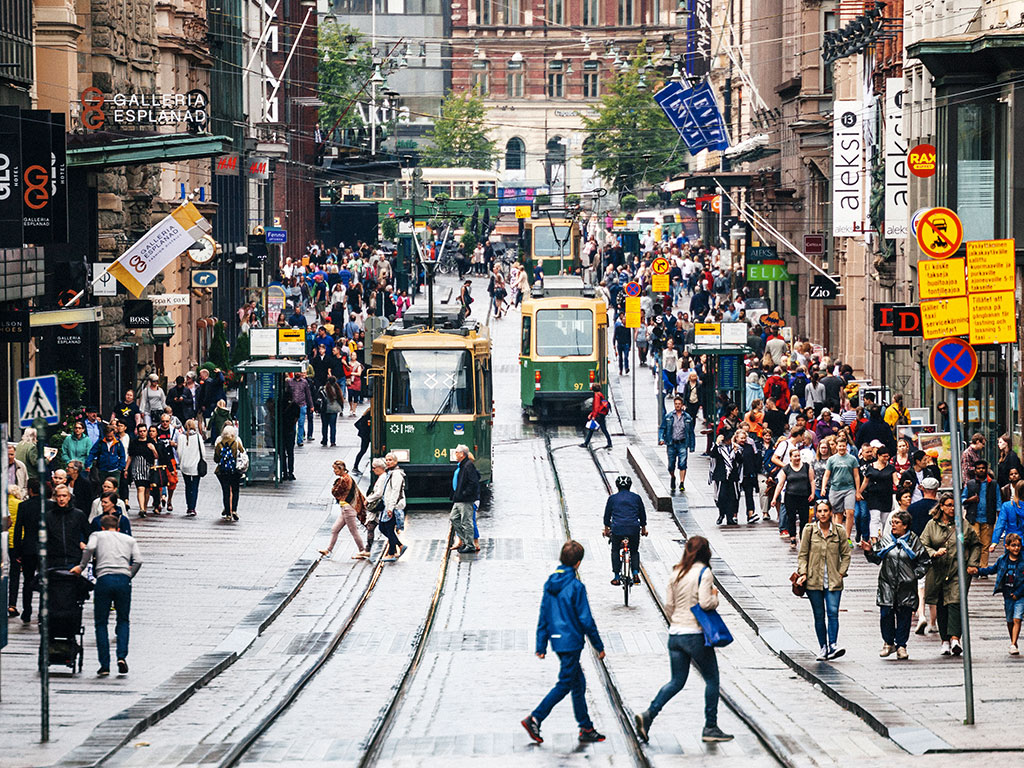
(402, 454)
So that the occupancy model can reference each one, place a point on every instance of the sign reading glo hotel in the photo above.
(847, 169)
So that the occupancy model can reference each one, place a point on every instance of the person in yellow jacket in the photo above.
(896, 413)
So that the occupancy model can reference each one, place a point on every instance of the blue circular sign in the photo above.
(953, 363)
(633, 289)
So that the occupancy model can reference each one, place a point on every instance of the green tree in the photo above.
(389, 228)
(459, 135)
(629, 203)
(633, 144)
(340, 79)
(218, 354)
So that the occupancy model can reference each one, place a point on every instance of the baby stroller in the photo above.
(67, 594)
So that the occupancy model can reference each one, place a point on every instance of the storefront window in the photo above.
(976, 135)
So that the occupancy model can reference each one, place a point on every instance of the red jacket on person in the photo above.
(782, 401)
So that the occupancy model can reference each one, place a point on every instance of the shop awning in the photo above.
(991, 52)
(152, 148)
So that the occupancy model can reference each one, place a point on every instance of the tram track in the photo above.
(370, 747)
(768, 740)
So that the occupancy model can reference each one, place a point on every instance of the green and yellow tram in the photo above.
(564, 345)
(431, 392)
(553, 243)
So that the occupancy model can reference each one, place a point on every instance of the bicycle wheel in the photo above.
(627, 578)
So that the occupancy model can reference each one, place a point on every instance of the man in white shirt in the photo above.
(118, 559)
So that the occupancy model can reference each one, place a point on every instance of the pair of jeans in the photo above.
(825, 601)
(462, 521)
(191, 491)
(329, 425)
(682, 649)
(749, 489)
(387, 527)
(634, 551)
(364, 443)
(300, 435)
(677, 455)
(229, 487)
(26, 570)
(600, 419)
(895, 625)
(862, 520)
(116, 589)
(570, 680)
(623, 357)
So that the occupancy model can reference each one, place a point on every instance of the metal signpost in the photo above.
(38, 406)
(953, 364)
(634, 316)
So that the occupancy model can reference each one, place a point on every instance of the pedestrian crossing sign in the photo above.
(37, 399)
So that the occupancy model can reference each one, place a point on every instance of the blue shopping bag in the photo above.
(716, 634)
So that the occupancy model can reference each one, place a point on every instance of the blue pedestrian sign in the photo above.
(953, 363)
(276, 236)
(37, 399)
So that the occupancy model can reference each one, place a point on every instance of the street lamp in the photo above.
(163, 328)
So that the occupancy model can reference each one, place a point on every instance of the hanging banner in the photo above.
(59, 177)
(36, 197)
(847, 170)
(896, 202)
(165, 242)
(698, 38)
(10, 178)
(695, 114)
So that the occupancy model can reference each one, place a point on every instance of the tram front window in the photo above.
(546, 240)
(429, 381)
(564, 332)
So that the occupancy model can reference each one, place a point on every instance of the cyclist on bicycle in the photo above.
(625, 518)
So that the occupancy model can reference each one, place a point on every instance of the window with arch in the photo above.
(516, 79)
(515, 154)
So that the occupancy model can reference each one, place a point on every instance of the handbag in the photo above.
(716, 634)
(242, 463)
(592, 425)
(798, 589)
(201, 468)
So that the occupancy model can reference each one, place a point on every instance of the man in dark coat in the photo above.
(465, 492)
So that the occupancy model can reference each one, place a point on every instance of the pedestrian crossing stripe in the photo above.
(37, 399)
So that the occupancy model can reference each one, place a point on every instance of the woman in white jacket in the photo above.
(691, 584)
(192, 452)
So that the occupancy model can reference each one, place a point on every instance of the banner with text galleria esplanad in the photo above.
(847, 169)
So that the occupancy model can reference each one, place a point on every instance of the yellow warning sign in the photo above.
(941, 279)
(993, 318)
(939, 233)
(945, 317)
(633, 319)
(707, 329)
(523, 211)
(990, 265)
(632, 304)
(659, 283)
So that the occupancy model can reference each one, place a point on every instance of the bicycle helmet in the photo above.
(623, 483)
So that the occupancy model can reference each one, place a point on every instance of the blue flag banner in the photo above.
(695, 114)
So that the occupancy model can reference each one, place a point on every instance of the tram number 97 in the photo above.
(579, 385)
(440, 453)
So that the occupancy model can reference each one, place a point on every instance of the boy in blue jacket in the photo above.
(1009, 570)
(564, 620)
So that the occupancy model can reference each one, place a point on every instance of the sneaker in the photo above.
(103, 672)
(533, 728)
(714, 733)
(234, 517)
(636, 578)
(822, 654)
(753, 519)
(402, 549)
(122, 667)
(901, 653)
(1013, 650)
(922, 625)
(783, 534)
(672, 483)
(835, 653)
(887, 650)
(933, 629)
(945, 648)
(391, 559)
(955, 648)
(643, 723)
(615, 582)
(590, 735)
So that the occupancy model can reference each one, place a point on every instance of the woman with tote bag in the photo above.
(193, 464)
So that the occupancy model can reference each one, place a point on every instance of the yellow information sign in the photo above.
(941, 279)
(707, 329)
(619, 224)
(632, 304)
(659, 283)
(945, 317)
(990, 265)
(523, 211)
(993, 317)
(633, 319)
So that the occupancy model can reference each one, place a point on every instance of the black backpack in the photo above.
(798, 386)
(776, 390)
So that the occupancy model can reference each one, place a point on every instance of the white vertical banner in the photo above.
(897, 210)
(847, 169)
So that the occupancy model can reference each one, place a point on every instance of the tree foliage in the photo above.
(633, 145)
(340, 81)
(459, 135)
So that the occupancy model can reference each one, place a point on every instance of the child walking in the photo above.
(1009, 570)
(564, 620)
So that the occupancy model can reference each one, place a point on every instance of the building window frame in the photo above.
(483, 13)
(592, 13)
(627, 13)
(515, 151)
(556, 12)
(515, 83)
(555, 87)
(480, 77)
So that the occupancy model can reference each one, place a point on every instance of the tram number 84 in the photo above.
(440, 453)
